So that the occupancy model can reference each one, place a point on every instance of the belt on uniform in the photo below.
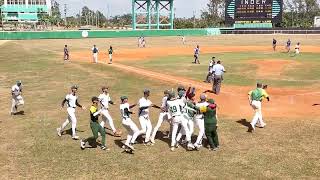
(72, 107)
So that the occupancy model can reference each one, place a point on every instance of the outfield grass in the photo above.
(30, 148)
(239, 70)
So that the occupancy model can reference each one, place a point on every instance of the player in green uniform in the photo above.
(95, 126)
(210, 124)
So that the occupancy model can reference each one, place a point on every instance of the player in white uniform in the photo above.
(144, 118)
(164, 115)
(17, 99)
(131, 127)
(72, 102)
(105, 100)
(297, 48)
(200, 120)
(175, 109)
(95, 52)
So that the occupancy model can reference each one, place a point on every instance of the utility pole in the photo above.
(65, 13)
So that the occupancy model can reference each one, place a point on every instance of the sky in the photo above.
(184, 8)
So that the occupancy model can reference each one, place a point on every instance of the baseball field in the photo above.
(287, 148)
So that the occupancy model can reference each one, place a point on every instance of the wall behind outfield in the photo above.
(17, 35)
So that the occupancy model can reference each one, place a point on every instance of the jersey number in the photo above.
(173, 109)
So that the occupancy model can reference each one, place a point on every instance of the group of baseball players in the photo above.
(182, 112)
(287, 46)
(95, 53)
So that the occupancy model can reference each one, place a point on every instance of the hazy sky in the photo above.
(184, 8)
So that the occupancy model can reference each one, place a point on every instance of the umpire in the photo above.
(210, 124)
(218, 71)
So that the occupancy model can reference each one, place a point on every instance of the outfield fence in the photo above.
(16, 35)
(270, 31)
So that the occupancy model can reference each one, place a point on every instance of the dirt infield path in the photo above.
(233, 99)
(154, 52)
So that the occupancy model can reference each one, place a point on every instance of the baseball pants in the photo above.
(107, 118)
(96, 128)
(256, 105)
(110, 57)
(200, 124)
(297, 51)
(183, 132)
(16, 101)
(132, 129)
(216, 84)
(212, 135)
(209, 78)
(163, 116)
(95, 57)
(146, 126)
(196, 59)
(71, 119)
(184, 123)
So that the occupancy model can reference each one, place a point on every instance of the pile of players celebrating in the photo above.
(181, 111)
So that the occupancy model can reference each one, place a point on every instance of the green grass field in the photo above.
(30, 148)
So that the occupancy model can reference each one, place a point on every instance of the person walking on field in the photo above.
(211, 124)
(17, 100)
(218, 71)
(196, 55)
(95, 126)
(274, 44)
(110, 51)
(288, 45)
(255, 97)
(210, 70)
(66, 53)
(95, 52)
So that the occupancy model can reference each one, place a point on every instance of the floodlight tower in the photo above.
(152, 14)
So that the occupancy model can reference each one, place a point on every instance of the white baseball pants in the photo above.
(146, 126)
(132, 129)
(256, 105)
(190, 125)
(106, 118)
(184, 123)
(163, 116)
(16, 101)
(71, 119)
(200, 124)
(95, 57)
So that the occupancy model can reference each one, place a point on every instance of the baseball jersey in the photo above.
(196, 51)
(164, 104)
(189, 110)
(16, 90)
(274, 42)
(143, 102)
(93, 114)
(297, 46)
(71, 100)
(110, 51)
(66, 51)
(288, 43)
(218, 69)
(104, 100)
(201, 105)
(94, 50)
(258, 94)
(124, 106)
(175, 107)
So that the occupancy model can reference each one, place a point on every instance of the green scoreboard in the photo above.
(253, 11)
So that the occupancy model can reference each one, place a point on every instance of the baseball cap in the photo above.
(104, 87)
(94, 98)
(123, 98)
(181, 93)
(74, 87)
(146, 91)
(19, 82)
(180, 87)
(211, 101)
(166, 92)
(203, 96)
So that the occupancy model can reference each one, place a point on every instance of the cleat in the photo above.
(75, 137)
(82, 144)
(190, 147)
(177, 145)
(105, 148)
(130, 147)
(172, 149)
(59, 132)
(215, 148)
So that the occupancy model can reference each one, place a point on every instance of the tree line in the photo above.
(296, 13)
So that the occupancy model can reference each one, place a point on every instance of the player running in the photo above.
(95, 126)
(66, 53)
(288, 45)
(144, 117)
(105, 100)
(164, 115)
(72, 102)
(110, 51)
(17, 100)
(131, 127)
